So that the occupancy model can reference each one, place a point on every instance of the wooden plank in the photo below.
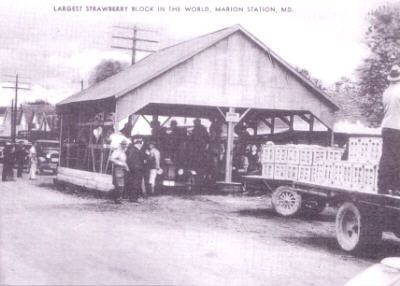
(90, 180)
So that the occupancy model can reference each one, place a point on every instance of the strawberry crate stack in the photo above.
(324, 165)
(364, 156)
(304, 163)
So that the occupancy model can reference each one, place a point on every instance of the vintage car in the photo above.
(48, 155)
(385, 273)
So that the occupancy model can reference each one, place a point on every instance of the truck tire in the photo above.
(356, 229)
(286, 201)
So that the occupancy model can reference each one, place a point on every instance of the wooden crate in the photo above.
(370, 178)
(334, 154)
(319, 155)
(306, 156)
(292, 172)
(281, 154)
(280, 171)
(305, 173)
(293, 154)
(268, 170)
(268, 153)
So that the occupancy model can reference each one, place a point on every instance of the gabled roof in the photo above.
(40, 110)
(165, 59)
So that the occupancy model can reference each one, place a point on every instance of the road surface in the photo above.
(50, 237)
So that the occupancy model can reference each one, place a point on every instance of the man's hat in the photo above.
(136, 139)
(394, 74)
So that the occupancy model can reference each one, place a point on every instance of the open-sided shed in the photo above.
(228, 73)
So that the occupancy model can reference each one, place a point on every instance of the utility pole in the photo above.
(81, 83)
(134, 39)
(14, 104)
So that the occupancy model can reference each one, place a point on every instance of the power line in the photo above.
(135, 39)
(14, 104)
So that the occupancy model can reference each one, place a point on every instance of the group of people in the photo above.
(16, 155)
(247, 160)
(135, 169)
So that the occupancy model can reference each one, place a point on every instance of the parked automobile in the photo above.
(48, 155)
(385, 273)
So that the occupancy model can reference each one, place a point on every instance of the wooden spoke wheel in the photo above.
(286, 201)
(355, 229)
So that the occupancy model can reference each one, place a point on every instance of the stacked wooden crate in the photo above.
(364, 156)
(297, 162)
(324, 165)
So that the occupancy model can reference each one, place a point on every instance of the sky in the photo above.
(54, 50)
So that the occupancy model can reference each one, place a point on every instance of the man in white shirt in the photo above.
(389, 166)
(153, 165)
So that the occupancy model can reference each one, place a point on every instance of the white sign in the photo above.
(232, 117)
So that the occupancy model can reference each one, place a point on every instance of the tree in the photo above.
(383, 41)
(318, 83)
(345, 93)
(105, 69)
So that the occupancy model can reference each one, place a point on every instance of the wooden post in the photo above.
(229, 150)
(331, 137)
(61, 140)
(311, 134)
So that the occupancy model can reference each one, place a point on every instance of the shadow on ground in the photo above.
(270, 213)
(374, 252)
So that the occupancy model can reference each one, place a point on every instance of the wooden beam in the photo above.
(269, 124)
(311, 122)
(165, 122)
(221, 112)
(229, 151)
(272, 125)
(306, 119)
(244, 114)
(148, 122)
(291, 120)
(285, 120)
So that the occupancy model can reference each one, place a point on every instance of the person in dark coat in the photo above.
(136, 164)
(8, 162)
(20, 157)
(389, 165)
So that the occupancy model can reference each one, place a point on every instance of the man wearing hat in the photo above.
(389, 166)
(136, 164)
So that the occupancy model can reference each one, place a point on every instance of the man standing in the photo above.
(118, 158)
(20, 155)
(389, 166)
(199, 141)
(153, 165)
(33, 157)
(8, 162)
(135, 161)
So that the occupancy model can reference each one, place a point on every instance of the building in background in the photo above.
(37, 120)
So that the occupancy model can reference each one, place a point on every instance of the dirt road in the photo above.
(50, 237)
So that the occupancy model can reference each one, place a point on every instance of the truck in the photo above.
(361, 218)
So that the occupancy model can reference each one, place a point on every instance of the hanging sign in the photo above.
(232, 117)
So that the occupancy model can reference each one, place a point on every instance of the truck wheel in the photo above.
(356, 229)
(286, 201)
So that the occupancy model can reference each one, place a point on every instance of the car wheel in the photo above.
(286, 201)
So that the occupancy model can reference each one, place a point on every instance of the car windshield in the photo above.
(48, 144)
